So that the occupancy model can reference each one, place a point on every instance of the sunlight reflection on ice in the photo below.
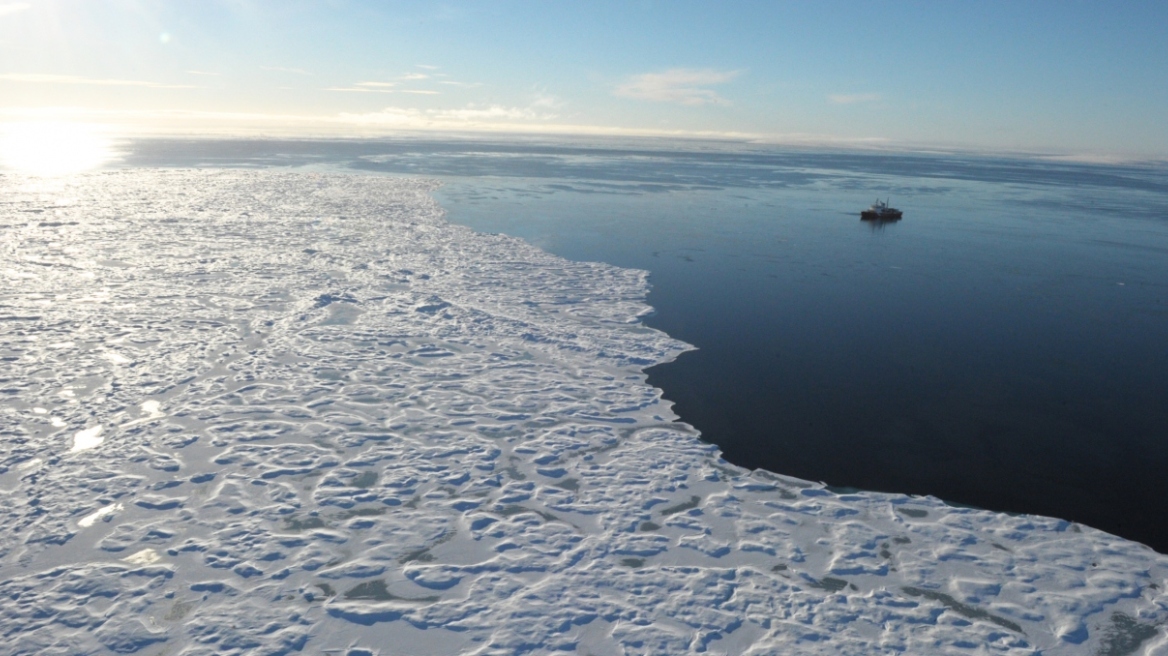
(53, 148)
(143, 557)
(91, 518)
(87, 439)
(153, 411)
(115, 357)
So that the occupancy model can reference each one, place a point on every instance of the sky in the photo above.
(1060, 77)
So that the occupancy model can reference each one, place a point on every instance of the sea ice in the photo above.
(371, 431)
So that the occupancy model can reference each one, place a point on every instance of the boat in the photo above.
(880, 211)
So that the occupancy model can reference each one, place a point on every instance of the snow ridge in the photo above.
(270, 413)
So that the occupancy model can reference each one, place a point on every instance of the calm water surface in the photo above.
(1005, 345)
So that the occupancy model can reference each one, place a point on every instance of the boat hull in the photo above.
(888, 215)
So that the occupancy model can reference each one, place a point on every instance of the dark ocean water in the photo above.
(1005, 345)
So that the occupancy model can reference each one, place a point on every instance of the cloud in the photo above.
(74, 79)
(546, 101)
(356, 89)
(493, 112)
(853, 98)
(390, 121)
(428, 67)
(381, 87)
(9, 8)
(201, 73)
(470, 116)
(677, 85)
(415, 76)
(281, 69)
(359, 90)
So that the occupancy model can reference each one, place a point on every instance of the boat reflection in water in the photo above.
(878, 224)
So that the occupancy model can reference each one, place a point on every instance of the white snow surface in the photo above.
(319, 418)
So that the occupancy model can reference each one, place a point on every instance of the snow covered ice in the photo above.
(269, 413)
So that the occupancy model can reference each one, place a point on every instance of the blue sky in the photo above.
(1049, 76)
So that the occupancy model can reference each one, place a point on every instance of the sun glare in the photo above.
(53, 148)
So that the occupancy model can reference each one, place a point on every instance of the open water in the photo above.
(1003, 346)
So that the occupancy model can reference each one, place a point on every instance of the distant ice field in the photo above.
(268, 413)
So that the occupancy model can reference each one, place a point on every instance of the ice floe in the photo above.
(86, 439)
(91, 518)
(337, 423)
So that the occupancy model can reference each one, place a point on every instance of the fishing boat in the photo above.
(880, 211)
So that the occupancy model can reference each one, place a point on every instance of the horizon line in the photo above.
(252, 125)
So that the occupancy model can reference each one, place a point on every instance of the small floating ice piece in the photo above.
(40, 411)
(143, 557)
(57, 422)
(91, 518)
(87, 439)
